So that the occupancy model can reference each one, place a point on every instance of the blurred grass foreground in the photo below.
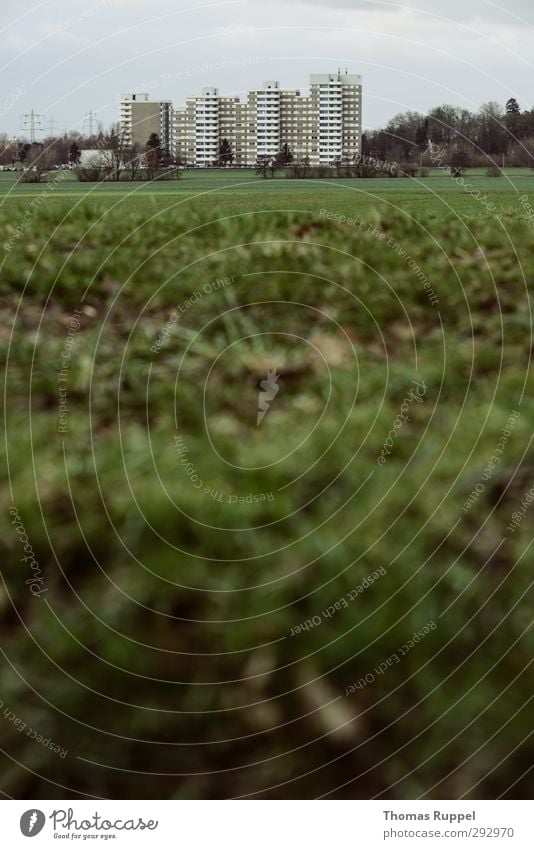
(266, 515)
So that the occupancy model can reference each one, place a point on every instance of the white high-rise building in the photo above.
(265, 109)
(336, 106)
(322, 127)
(207, 126)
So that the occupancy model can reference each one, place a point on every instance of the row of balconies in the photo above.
(287, 133)
(324, 137)
(352, 117)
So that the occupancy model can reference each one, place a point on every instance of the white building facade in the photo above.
(322, 128)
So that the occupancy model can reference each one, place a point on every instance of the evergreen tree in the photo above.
(226, 157)
(284, 156)
(421, 136)
(74, 154)
(514, 121)
(24, 149)
(153, 142)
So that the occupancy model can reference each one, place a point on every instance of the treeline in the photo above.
(409, 144)
(492, 136)
(108, 156)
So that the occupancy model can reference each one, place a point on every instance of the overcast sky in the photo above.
(65, 57)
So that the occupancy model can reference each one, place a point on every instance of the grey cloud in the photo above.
(76, 55)
(456, 10)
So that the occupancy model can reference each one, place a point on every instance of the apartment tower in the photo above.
(322, 127)
(141, 117)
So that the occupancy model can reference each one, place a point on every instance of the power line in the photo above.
(90, 122)
(32, 121)
(52, 125)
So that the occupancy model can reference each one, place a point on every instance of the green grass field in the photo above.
(235, 191)
(156, 637)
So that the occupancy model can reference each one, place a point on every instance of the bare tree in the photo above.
(37, 162)
(8, 150)
(114, 150)
(133, 160)
(263, 165)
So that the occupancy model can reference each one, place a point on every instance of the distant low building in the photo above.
(96, 158)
